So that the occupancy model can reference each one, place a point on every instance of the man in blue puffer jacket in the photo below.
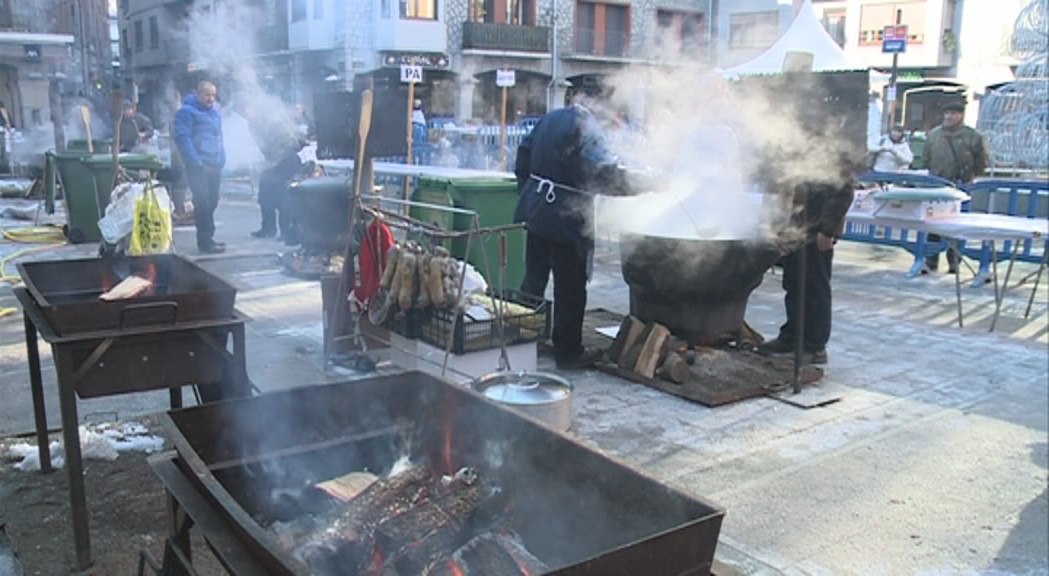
(198, 135)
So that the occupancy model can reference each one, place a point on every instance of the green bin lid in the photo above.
(466, 182)
(133, 161)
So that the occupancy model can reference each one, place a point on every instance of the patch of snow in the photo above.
(97, 441)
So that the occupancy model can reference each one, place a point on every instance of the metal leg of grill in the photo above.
(36, 385)
(74, 462)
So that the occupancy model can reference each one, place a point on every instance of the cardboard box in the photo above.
(863, 202)
(918, 210)
(412, 354)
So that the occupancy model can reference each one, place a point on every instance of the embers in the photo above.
(415, 523)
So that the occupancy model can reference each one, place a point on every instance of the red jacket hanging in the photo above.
(377, 242)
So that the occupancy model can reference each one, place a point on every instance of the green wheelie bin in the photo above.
(494, 199)
(87, 181)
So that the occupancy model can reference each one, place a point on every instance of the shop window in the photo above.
(753, 29)
(834, 23)
(875, 17)
(419, 9)
(298, 10)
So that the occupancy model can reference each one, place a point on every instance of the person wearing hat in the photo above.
(134, 127)
(561, 165)
(893, 153)
(955, 152)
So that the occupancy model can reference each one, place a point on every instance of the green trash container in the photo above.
(494, 199)
(87, 181)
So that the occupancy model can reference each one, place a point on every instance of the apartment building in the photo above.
(31, 57)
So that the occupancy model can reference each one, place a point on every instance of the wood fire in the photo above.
(412, 522)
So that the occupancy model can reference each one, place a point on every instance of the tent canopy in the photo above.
(805, 34)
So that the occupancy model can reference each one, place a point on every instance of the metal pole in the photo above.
(502, 134)
(892, 80)
(411, 104)
(552, 87)
(799, 308)
(710, 31)
(83, 46)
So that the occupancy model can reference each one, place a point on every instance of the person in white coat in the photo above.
(892, 153)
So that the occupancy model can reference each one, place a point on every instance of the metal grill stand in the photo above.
(113, 362)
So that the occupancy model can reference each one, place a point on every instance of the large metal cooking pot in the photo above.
(537, 394)
(696, 288)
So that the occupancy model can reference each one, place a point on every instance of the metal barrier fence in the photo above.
(1013, 197)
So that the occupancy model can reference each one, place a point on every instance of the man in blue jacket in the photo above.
(560, 166)
(198, 135)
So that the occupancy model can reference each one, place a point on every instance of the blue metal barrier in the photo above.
(1025, 198)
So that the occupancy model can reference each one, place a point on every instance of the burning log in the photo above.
(128, 288)
(421, 538)
(348, 538)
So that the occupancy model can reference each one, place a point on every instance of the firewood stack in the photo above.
(645, 350)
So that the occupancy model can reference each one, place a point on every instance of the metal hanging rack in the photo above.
(398, 219)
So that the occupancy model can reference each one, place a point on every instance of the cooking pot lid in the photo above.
(523, 388)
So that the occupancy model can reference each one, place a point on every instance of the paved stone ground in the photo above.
(934, 461)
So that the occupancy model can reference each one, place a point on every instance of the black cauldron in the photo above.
(696, 288)
(321, 207)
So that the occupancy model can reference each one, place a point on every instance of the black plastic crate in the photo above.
(469, 335)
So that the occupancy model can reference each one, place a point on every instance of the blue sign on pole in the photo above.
(894, 39)
(893, 46)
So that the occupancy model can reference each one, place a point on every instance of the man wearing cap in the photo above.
(955, 152)
(562, 163)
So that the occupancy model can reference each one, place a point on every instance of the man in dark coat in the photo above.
(955, 152)
(560, 166)
(280, 141)
(822, 221)
(198, 135)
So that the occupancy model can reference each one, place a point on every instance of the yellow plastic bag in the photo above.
(151, 231)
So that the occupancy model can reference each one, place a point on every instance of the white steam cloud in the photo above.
(707, 139)
(222, 42)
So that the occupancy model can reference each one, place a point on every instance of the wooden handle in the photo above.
(85, 116)
(365, 125)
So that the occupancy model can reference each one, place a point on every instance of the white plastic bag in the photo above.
(120, 213)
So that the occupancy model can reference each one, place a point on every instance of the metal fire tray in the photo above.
(577, 510)
(68, 291)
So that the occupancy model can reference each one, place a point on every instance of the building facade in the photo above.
(954, 47)
(32, 58)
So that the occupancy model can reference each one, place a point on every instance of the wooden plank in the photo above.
(652, 351)
(629, 330)
(628, 359)
(674, 368)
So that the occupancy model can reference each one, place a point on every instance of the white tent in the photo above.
(805, 34)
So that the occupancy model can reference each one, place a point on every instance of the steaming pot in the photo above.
(543, 396)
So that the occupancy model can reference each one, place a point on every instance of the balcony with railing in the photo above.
(505, 37)
(606, 43)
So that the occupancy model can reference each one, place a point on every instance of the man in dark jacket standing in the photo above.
(280, 141)
(560, 166)
(822, 221)
(134, 127)
(198, 135)
(955, 152)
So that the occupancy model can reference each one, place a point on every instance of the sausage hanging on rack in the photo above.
(423, 274)
(407, 274)
(393, 255)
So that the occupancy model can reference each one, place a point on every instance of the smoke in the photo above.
(222, 42)
(710, 146)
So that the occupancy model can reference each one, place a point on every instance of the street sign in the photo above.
(411, 73)
(505, 78)
(894, 39)
(890, 93)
